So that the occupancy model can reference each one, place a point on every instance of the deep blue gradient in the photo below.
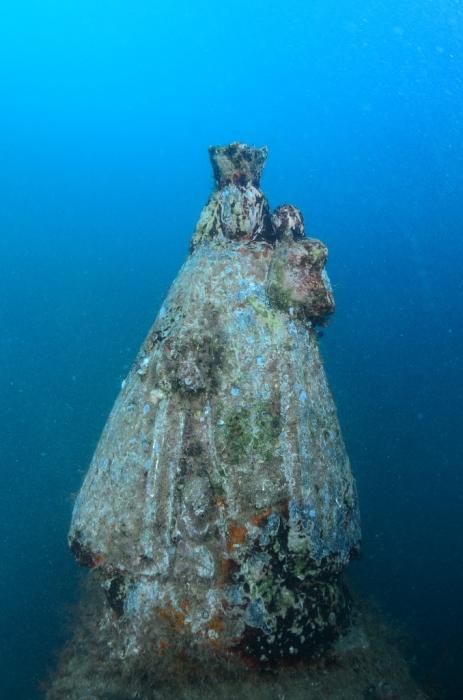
(106, 112)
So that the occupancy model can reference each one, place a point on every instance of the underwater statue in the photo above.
(219, 511)
(220, 505)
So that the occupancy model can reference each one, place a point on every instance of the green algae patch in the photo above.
(268, 316)
(278, 291)
(250, 431)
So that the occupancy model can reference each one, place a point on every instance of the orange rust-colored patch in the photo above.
(227, 566)
(259, 518)
(216, 623)
(98, 560)
(172, 616)
(236, 535)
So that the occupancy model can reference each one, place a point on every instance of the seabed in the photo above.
(364, 664)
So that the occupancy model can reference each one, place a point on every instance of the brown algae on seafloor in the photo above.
(220, 501)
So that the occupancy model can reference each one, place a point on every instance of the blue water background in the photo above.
(106, 112)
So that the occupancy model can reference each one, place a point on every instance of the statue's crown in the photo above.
(237, 164)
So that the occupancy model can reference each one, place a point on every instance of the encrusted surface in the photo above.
(220, 497)
(363, 665)
(237, 164)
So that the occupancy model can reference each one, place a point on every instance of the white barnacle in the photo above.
(155, 396)
(142, 370)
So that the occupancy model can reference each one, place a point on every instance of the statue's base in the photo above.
(364, 665)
